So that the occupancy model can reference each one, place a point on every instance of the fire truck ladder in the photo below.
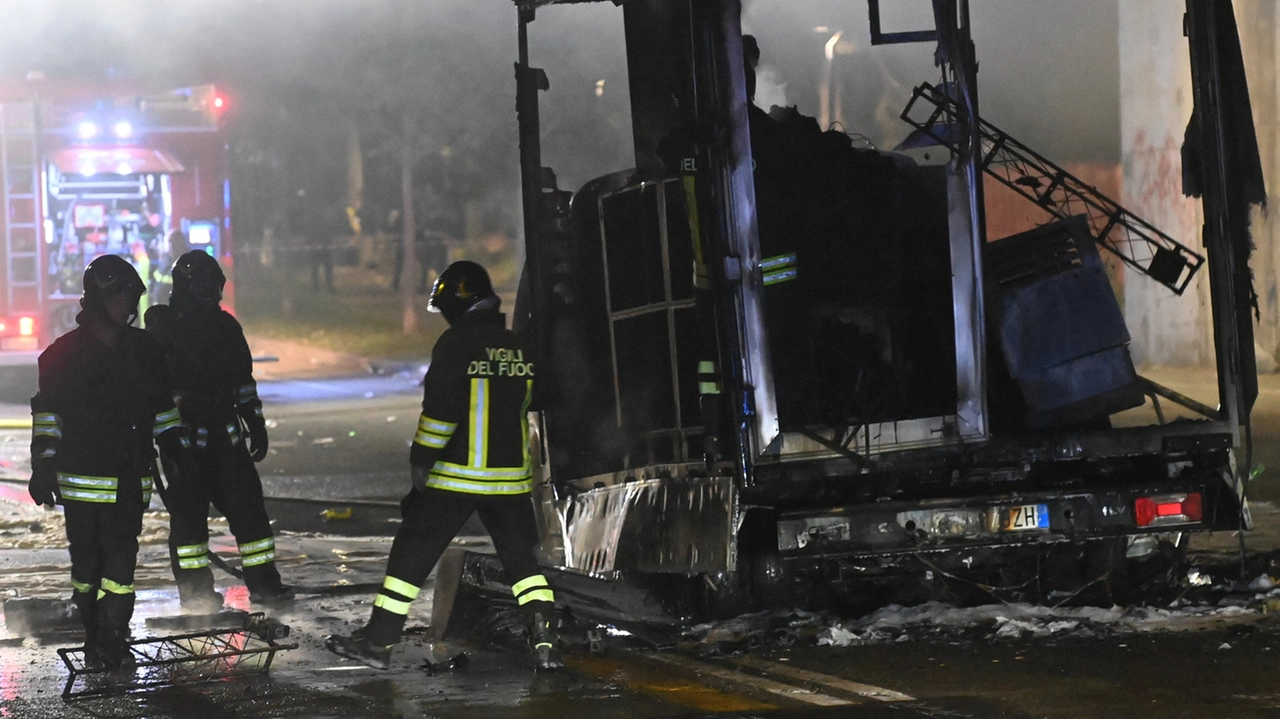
(1058, 192)
(20, 198)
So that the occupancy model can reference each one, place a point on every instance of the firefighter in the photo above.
(103, 399)
(470, 454)
(212, 371)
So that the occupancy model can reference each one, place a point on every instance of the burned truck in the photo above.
(790, 370)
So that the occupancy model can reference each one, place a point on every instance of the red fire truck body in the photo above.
(93, 170)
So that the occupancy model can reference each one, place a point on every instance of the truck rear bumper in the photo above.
(890, 528)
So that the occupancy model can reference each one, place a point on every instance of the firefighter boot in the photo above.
(87, 604)
(113, 614)
(265, 587)
(360, 648)
(544, 643)
(196, 592)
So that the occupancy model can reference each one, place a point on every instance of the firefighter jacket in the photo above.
(212, 369)
(474, 430)
(99, 412)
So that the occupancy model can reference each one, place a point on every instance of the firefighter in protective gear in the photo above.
(212, 372)
(104, 401)
(470, 454)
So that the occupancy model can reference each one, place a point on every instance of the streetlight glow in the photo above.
(831, 44)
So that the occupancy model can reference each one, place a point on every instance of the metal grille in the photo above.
(648, 266)
(182, 659)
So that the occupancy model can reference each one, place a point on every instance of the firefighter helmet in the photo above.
(110, 275)
(197, 279)
(461, 287)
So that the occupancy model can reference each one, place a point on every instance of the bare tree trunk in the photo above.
(408, 268)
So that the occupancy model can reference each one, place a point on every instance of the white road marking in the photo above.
(863, 690)
(791, 692)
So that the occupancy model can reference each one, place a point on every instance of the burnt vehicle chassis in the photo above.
(943, 420)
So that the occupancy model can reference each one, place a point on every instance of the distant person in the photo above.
(436, 227)
(179, 244)
(212, 372)
(104, 398)
(161, 280)
(470, 454)
(322, 236)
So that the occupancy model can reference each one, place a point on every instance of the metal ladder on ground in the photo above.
(1134, 240)
(20, 203)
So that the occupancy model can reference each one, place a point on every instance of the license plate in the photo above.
(1026, 516)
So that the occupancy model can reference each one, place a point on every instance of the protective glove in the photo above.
(257, 442)
(176, 444)
(418, 475)
(43, 486)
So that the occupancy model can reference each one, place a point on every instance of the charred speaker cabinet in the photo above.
(1058, 328)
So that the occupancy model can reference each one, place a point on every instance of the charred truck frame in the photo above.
(783, 386)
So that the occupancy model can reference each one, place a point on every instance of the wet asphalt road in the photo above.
(1183, 675)
(342, 446)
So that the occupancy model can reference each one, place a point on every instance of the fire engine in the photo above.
(93, 169)
(783, 384)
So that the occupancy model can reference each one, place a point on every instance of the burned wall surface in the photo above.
(1155, 104)
(1257, 20)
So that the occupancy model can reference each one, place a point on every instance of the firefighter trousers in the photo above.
(102, 539)
(222, 475)
(432, 517)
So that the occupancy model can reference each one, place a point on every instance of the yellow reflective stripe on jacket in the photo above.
(84, 488)
(478, 423)
(701, 280)
(524, 421)
(454, 484)
(82, 587)
(434, 433)
(148, 484)
(46, 424)
(166, 421)
(779, 268)
(476, 480)
(482, 473)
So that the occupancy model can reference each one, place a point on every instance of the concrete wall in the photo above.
(1155, 104)
(1155, 101)
(1258, 38)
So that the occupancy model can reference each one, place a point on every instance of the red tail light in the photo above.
(1168, 509)
(27, 326)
